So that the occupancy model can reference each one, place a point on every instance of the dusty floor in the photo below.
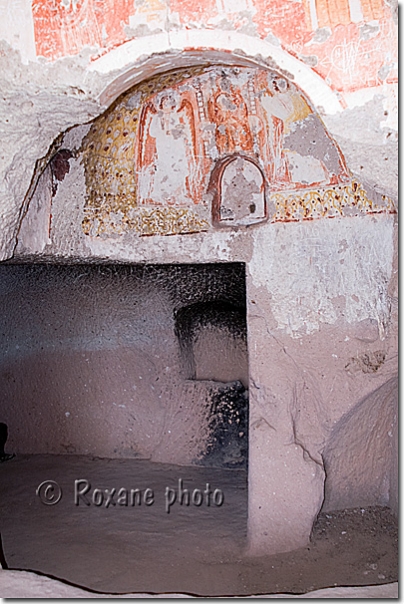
(195, 549)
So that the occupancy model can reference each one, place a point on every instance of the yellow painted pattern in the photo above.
(300, 110)
(348, 200)
(109, 154)
(144, 221)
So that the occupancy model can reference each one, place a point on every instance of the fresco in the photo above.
(66, 27)
(111, 154)
(219, 146)
(168, 130)
(352, 44)
(348, 200)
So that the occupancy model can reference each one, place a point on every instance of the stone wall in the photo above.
(361, 453)
(317, 236)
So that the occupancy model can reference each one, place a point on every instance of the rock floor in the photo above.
(196, 549)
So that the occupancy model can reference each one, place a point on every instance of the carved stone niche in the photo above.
(238, 190)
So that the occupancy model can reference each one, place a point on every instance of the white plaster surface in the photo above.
(17, 27)
(38, 102)
(35, 228)
(306, 267)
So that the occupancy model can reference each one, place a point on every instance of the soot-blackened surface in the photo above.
(218, 313)
(222, 310)
(228, 441)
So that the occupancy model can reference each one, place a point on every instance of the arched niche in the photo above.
(238, 187)
(172, 149)
(138, 59)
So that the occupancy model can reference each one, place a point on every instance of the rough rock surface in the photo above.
(320, 307)
(359, 456)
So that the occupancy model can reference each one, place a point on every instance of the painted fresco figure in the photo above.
(278, 109)
(167, 158)
(284, 107)
(228, 111)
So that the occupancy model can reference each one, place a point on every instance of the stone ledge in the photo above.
(24, 584)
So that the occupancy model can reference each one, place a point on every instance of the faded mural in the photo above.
(218, 146)
(65, 27)
(347, 42)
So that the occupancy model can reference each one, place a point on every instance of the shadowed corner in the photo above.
(3, 439)
(3, 561)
